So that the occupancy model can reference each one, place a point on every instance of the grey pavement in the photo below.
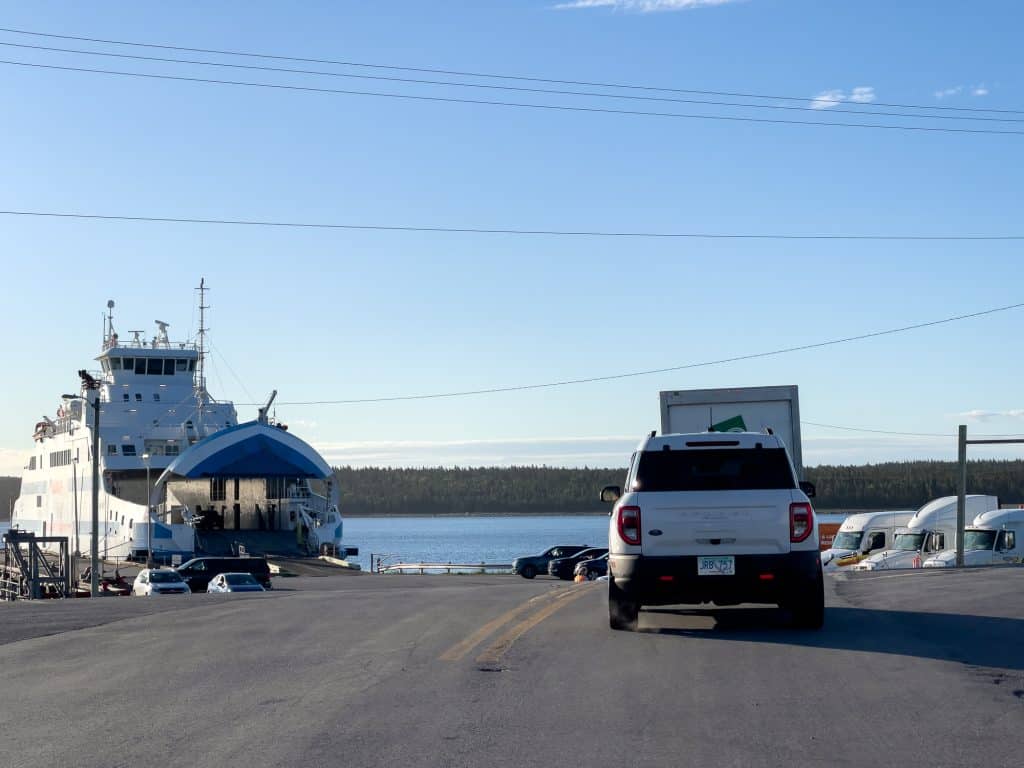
(911, 669)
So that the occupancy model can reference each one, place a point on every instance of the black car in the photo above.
(198, 571)
(592, 569)
(528, 567)
(563, 567)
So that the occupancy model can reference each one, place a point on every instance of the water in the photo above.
(497, 539)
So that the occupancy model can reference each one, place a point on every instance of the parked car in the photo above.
(159, 581)
(563, 567)
(592, 569)
(234, 582)
(530, 566)
(199, 571)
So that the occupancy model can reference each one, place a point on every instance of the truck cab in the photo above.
(993, 538)
(713, 517)
(931, 530)
(862, 534)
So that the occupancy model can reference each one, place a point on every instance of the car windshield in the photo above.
(847, 540)
(978, 540)
(908, 542)
(164, 577)
(239, 579)
(714, 469)
(589, 554)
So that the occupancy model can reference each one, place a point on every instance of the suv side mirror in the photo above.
(610, 494)
(808, 489)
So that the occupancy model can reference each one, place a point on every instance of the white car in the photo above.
(713, 517)
(234, 582)
(159, 581)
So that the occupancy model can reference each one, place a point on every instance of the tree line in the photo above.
(511, 490)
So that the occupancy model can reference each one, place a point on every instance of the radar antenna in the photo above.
(200, 381)
(161, 337)
(109, 337)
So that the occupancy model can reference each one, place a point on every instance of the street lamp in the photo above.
(149, 515)
(91, 385)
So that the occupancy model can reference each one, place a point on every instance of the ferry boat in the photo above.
(165, 445)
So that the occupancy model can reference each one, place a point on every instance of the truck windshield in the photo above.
(847, 540)
(977, 540)
(710, 469)
(908, 542)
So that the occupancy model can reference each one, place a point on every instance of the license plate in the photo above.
(716, 566)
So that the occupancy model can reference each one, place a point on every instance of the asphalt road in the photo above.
(912, 669)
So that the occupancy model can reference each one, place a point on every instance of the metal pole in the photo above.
(961, 497)
(149, 516)
(94, 550)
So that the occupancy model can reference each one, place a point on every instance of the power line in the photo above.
(463, 73)
(495, 231)
(516, 104)
(949, 435)
(634, 374)
(488, 86)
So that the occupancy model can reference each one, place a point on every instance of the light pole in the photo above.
(149, 516)
(74, 483)
(92, 386)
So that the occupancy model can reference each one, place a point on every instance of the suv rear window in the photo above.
(739, 469)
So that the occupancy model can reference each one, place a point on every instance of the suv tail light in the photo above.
(801, 521)
(629, 525)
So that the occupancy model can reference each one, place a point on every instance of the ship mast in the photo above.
(200, 382)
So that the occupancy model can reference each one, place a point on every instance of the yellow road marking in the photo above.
(497, 649)
(464, 646)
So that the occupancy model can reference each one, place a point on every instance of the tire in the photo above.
(528, 572)
(808, 606)
(623, 614)
(591, 575)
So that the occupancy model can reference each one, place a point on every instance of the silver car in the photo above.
(234, 582)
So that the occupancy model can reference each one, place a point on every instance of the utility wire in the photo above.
(634, 374)
(463, 73)
(554, 92)
(535, 232)
(516, 104)
(907, 434)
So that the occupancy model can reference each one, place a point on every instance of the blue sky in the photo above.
(340, 314)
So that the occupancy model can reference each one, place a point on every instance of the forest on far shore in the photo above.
(553, 490)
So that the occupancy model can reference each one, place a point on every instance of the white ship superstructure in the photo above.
(153, 410)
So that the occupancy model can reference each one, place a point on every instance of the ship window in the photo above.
(105, 363)
(191, 365)
(138, 397)
(129, 363)
(156, 366)
(32, 463)
(127, 397)
(115, 363)
(156, 397)
(128, 449)
(140, 365)
(169, 366)
(131, 523)
(112, 450)
(171, 449)
(181, 365)
(39, 501)
(218, 490)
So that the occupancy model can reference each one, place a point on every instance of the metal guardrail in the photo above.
(449, 568)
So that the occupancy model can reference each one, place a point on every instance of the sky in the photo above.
(333, 314)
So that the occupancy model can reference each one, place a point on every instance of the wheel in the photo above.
(623, 614)
(808, 604)
(591, 575)
(528, 572)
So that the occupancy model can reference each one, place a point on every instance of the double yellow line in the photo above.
(492, 653)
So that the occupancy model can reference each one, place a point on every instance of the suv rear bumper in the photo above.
(672, 580)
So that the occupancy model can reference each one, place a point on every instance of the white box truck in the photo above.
(995, 537)
(743, 409)
(931, 530)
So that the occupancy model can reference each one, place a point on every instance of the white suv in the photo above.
(713, 517)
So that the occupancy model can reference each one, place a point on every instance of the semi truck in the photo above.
(742, 409)
(931, 530)
(862, 534)
(995, 537)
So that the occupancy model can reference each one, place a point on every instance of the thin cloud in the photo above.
(979, 90)
(945, 93)
(979, 414)
(975, 90)
(862, 94)
(642, 6)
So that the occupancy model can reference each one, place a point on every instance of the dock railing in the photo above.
(448, 568)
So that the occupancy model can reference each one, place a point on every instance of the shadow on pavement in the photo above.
(976, 640)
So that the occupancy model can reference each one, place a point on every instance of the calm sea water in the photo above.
(498, 539)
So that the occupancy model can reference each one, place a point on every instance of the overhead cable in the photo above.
(491, 75)
(515, 104)
(652, 371)
(532, 232)
(554, 92)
